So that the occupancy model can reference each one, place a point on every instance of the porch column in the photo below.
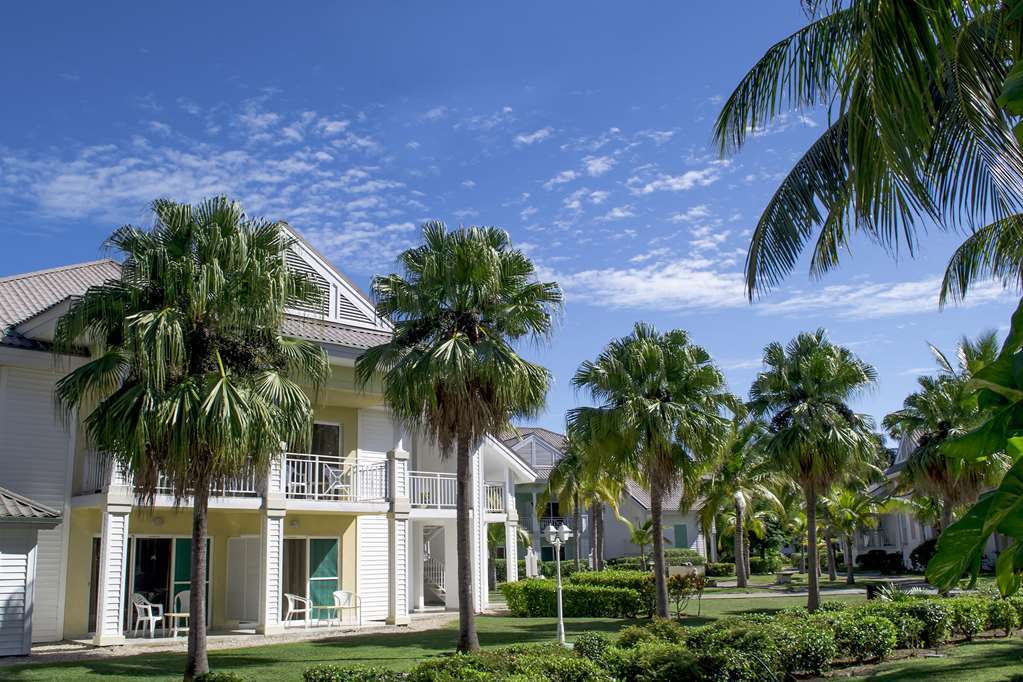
(416, 544)
(113, 564)
(398, 539)
(450, 565)
(271, 551)
(511, 549)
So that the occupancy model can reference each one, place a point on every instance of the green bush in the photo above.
(805, 647)
(630, 563)
(922, 553)
(936, 616)
(214, 676)
(969, 615)
(557, 669)
(657, 630)
(640, 581)
(864, 637)
(736, 649)
(772, 563)
(591, 645)
(1002, 615)
(908, 628)
(719, 569)
(679, 556)
(337, 673)
(537, 598)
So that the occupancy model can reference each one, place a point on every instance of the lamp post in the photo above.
(558, 537)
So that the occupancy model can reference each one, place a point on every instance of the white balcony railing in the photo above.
(97, 473)
(496, 498)
(333, 479)
(432, 489)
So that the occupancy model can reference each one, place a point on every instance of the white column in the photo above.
(416, 547)
(397, 539)
(271, 551)
(450, 565)
(479, 533)
(113, 560)
(511, 550)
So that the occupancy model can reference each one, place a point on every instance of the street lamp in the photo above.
(557, 537)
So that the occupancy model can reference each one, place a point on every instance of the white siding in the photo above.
(271, 556)
(371, 578)
(113, 560)
(16, 558)
(243, 579)
(376, 434)
(401, 596)
(35, 449)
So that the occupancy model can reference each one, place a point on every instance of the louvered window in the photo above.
(322, 306)
(347, 310)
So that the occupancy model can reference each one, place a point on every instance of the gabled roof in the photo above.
(513, 437)
(26, 295)
(15, 508)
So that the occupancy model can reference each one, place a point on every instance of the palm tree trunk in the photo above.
(599, 561)
(656, 501)
(197, 663)
(578, 524)
(593, 533)
(813, 598)
(713, 541)
(850, 579)
(745, 553)
(946, 515)
(740, 534)
(832, 559)
(467, 639)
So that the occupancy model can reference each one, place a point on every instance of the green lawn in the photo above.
(980, 661)
(286, 662)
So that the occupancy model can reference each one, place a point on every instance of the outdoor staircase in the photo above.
(434, 577)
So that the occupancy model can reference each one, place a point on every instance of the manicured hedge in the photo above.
(537, 597)
(719, 569)
(772, 563)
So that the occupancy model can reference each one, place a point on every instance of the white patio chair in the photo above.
(345, 601)
(147, 614)
(338, 481)
(297, 605)
(177, 619)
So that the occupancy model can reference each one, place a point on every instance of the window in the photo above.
(297, 265)
(327, 439)
(681, 535)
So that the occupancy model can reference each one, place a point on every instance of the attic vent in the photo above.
(346, 310)
(297, 264)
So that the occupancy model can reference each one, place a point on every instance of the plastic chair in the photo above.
(177, 620)
(297, 605)
(146, 613)
(344, 601)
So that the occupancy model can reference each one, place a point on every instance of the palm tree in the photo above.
(190, 380)
(659, 403)
(641, 535)
(813, 436)
(945, 407)
(945, 153)
(752, 522)
(738, 475)
(849, 510)
(450, 369)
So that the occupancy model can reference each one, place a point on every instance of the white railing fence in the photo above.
(332, 478)
(495, 497)
(432, 489)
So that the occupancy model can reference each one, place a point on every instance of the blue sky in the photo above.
(582, 128)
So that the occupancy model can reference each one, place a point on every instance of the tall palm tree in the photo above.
(813, 436)
(659, 406)
(189, 377)
(738, 474)
(450, 369)
(945, 407)
(946, 152)
(849, 510)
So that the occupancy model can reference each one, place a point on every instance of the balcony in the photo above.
(329, 478)
(431, 490)
(496, 498)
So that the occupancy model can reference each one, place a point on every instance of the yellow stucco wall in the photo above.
(223, 524)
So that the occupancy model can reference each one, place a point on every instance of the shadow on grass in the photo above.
(995, 659)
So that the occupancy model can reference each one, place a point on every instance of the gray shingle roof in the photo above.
(22, 296)
(323, 331)
(18, 508)
(553, 438)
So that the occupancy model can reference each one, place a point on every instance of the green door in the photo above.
(181, 576)
(681, 535)
(323, 571)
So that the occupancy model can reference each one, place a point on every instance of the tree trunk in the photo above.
(656, 501)
(578, 533)
(599, 560)
(850, 579)
(593, 533)
(946, 515)
(197, 663)
(713, 541)
(740, 534)
(467, 639)
(832, 559)
(813, 598)
(745, 553)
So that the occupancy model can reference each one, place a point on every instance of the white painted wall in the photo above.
(17, 559)
(372, 559)
(616, 533)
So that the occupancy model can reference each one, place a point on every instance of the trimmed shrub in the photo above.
(736, 649)
(641, 582)
(214, 676)
(922, 553)
(591, 645)
(337, 673)
(557, 669)
(805, 646)
(1002, 615)
(680, 556)
(657, 630)
(629, 563)
(719, 569)
(969, 615)
(936, 616)
(772, 563)
(864, 637)
(537, 598)
(908, 628)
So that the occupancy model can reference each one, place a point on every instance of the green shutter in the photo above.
(323, 575)
(182, 570)
(681, 535)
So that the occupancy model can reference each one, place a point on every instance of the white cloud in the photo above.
(468, 184)
(676, 183)
(598, 197)
(413, 145)
(598, 165)
(490, 121)
(561, 178)
(534, 137)
(659, 136)
(330, 127)
(619, 213)
(692, 214)
(527, 213)
(575, 200)
(435, 114)
(160, 127)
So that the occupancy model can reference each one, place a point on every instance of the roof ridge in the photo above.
(60, 268)
(43, 508)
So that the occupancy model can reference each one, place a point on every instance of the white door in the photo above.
(17, 570)
(243, 579)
